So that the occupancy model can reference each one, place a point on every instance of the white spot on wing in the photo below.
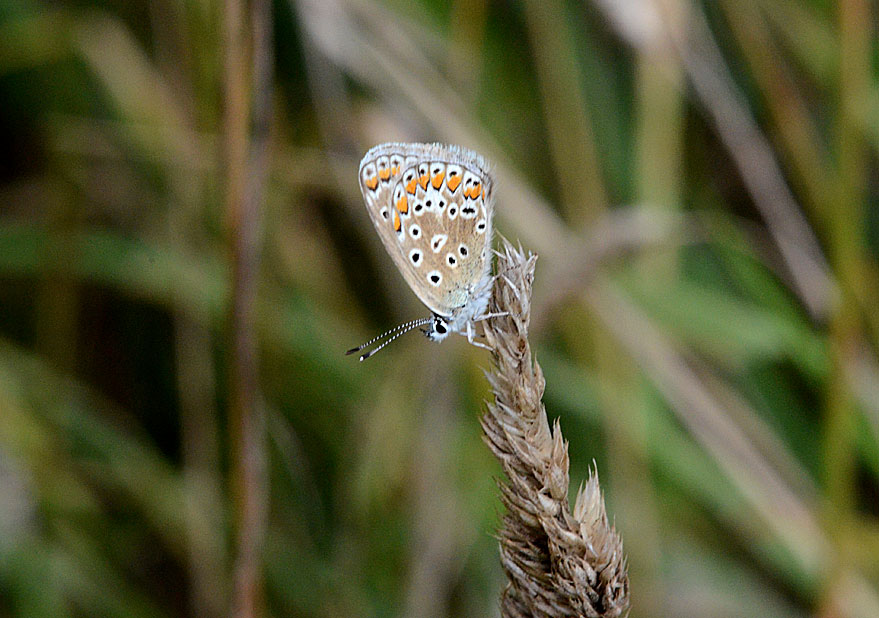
(468, 210)
(437, 242)
(432, 199)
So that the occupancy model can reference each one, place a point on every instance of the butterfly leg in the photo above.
(500, 314)
(472, 340)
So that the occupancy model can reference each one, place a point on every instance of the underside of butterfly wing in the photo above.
(432, 207)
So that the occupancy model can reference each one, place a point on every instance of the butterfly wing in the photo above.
(432, 207)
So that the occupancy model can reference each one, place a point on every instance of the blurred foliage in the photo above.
(698, 178)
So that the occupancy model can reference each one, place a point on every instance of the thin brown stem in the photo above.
(245, 167)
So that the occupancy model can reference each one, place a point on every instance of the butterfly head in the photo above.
(438, 328)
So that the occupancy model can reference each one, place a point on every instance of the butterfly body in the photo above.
(432, 207)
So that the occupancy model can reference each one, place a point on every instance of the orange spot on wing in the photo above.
(437, 181)
(475, 191)
(453, 182)
(384, 173)
(372, 183)
(395, 170)
(397, 223)
(403, 204)
(422, 180)
(410, 188)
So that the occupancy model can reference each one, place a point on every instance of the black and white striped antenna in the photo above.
(394, 332)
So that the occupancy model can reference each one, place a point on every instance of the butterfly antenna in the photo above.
(395, 332)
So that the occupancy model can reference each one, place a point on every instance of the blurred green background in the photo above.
(183, 248)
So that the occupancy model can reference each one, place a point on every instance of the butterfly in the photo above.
(432, 206)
